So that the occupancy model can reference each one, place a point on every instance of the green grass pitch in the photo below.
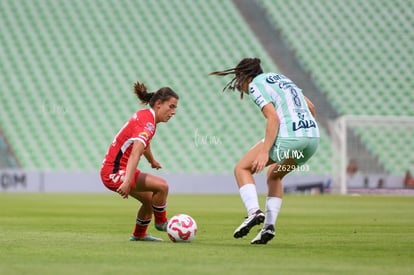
(88, 234)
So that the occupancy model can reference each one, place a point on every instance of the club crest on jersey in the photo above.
(150, 127)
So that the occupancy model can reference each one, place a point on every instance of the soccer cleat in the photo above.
(252, 220)
(266, 234)
(161, 226)
(146, 238)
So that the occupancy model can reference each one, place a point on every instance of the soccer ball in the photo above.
(181, 228)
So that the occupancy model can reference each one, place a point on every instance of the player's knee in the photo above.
(239, 167)
(163, 186)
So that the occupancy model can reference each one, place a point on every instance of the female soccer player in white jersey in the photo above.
(119, 170)
(291, 138)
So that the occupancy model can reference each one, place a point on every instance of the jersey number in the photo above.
(295, 97)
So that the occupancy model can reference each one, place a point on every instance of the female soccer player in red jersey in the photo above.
(119, 170)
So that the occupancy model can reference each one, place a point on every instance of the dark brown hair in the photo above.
(247, 67)
(163, 94)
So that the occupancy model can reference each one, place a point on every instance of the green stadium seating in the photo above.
(68, 68)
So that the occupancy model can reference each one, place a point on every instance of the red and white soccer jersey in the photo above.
(140, 127)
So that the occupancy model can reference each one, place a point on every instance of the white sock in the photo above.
(248, 195)
(273, 205)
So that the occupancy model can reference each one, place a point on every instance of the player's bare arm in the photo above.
(272, 126)
(150, 158)
(137, 151)
(310, 105)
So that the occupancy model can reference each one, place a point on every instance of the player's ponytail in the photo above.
(163, 94)
(141, 92)
(247, 67)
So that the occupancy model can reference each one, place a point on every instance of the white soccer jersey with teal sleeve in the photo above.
(295, 117)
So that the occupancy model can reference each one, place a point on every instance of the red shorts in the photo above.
(113, 180)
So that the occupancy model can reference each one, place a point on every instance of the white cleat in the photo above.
(266, 234)
(252, 220)
(146, 238)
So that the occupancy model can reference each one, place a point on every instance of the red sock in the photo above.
(160, 213)
(141, 227)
